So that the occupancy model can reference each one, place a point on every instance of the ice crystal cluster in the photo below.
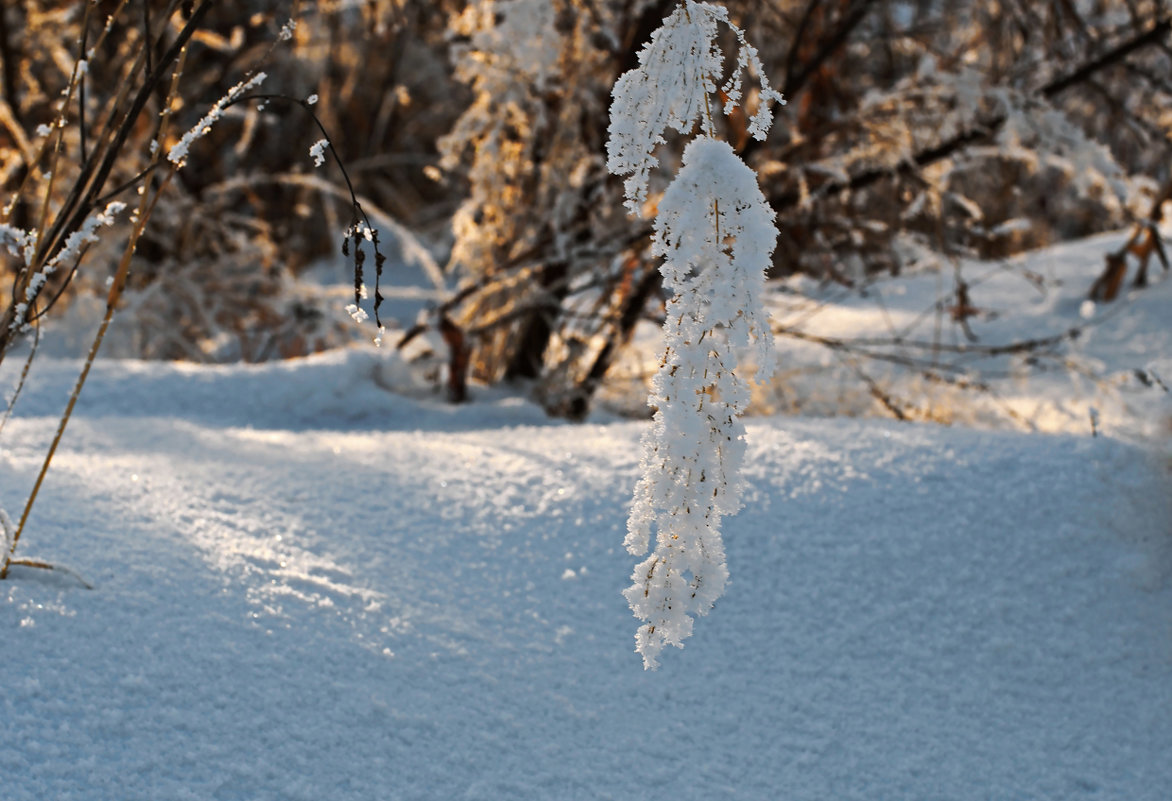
(318, 152)
(716, 234)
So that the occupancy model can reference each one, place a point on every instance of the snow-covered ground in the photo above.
(1035, 297)
(896, 338)
(307, 587)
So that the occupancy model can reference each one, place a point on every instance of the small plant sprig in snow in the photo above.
(716, 234)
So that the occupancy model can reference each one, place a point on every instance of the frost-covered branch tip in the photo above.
(177, 155)
(716, 235)
(675, 86)
(85, 235)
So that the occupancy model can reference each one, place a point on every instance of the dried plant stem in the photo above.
(106, 146)
(59, 136)
(146, 207)
(39, 565)
(359, 215)
(28, 363)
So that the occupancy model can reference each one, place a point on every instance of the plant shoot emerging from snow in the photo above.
(716, 235)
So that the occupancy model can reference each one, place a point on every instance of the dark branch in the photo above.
(794, 81)
(1155, 35)
(11, 66)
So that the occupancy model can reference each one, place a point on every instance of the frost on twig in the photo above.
(716, 235)
(17, 241)
(84, 236)
(177, 155)
(673, 87)
(693, 452)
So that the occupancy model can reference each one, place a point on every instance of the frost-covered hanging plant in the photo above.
(716, 235)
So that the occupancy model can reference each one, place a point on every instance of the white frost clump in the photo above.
(177, 155)
(20, 243)
(87, 233)
(716, 234)
(693, 453)
(318, 152)
(670, 88)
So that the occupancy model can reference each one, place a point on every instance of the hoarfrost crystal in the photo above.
(318, 152)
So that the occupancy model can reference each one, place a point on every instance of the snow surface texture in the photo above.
(307, 588)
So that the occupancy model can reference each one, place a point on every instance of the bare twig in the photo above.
(39, 565)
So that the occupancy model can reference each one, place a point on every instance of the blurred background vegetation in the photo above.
(917, 133)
